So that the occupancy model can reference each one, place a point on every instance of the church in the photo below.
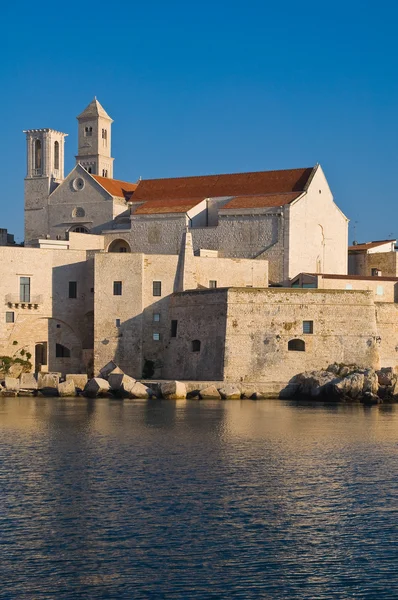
(287, 217)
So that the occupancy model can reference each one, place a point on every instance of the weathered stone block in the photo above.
(48, 380)
(107, 370)
(67, 388)
(117, 371)
(12, 384)
(96, 387)
(28, 381)
(173, 390)
(15, 370)
(140, 391)
(386, 376)
(121, 383)
(79, 380)
(230, 392)
(210, 392)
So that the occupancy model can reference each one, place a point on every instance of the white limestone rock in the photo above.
(28, 382)
(15, 370)
(96, 387)
(173, 390)
(48, 380)
(12, 384)
(210, 392)
(139, 390)
(351, 386)
(230, 392)
(67, 389)
(79, 380)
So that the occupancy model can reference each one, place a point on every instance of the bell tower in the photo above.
(45, 171)
(94, 140)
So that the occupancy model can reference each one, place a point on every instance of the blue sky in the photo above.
(213, 87)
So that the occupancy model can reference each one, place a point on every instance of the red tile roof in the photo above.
(162, 207)
(235, 184)
(369, 245)
(121, 189)
(262, 201)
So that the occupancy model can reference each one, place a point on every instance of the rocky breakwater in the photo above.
(345, 383)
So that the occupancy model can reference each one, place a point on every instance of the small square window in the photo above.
(9, 317)
(212, 283)
(117, 288)
(156, 337)
(117, 322)
(73, 289)
(156, 317)
(157, 288)
(308, 326)
(92, 290)
(379, 290)
(58, 326)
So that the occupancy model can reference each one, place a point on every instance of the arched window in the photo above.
(119, 246)
(296, 345)
(56, 155)
(37, 154)
(104, 173)
(61, 351)
(80, 229)
(88, 131)
(195, 345)
(78, 212)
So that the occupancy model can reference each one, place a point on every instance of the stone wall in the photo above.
(387, 326)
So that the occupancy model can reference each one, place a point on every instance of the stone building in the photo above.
(286, 217)
(373, 259)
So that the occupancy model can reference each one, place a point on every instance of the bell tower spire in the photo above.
(94, 140)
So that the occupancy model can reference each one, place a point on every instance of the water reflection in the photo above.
(110, 499)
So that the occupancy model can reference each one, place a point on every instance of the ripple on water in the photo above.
(103, 499)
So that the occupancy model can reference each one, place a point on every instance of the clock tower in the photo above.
(94, 140)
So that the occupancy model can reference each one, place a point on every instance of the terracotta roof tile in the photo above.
(235, 184)
(179, 205)
(121, 189)
(262, 201)
(368, 245)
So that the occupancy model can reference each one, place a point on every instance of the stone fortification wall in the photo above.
(387, 327)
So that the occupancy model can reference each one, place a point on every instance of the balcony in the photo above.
(14, 301)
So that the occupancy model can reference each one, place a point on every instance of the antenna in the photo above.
(355, 233)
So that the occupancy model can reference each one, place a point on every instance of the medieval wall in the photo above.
(387, 326)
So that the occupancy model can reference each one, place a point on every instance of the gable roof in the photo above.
(180, 205)
(121, 189)
(261, 201)
(235, 184)
(369, 245)
(94, 109)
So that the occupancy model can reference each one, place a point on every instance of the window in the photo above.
(104, 173)
(37, 154)
(117, 322)
(9, 317)
(156, 337)
(195, 346)
(73, 289)
(117, 288)
(156, 317)
(88, 131)
(80, 230)
(78, 211)
(58, 326)
(104, 134)
(24, 289)
(56, 155)
(379, 290)
(173, 328)
(308, 326)
(157, 288)
(212, 283)
(296, 345)
(61, 351)
(375, 273)
(89, 170)
(348, 286)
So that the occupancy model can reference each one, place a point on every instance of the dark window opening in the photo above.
(56, 155)
(88, 131)
(212, 283)
(308, 326)
(37, 154)
(61, 351)
(296, 345)
(117, 288)
(117, 322)
(73, 289)
(196, 346)
(157, 288)
(9, 317)
(174, 328)
(24, 289)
